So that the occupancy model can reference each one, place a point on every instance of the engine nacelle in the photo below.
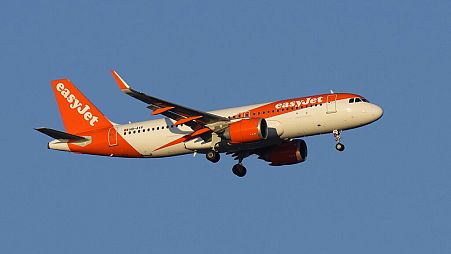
(247, 130)
(291, 152)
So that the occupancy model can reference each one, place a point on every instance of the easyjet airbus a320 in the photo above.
(269, 130)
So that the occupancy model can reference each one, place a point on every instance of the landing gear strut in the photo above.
(337, 135)
(213, 156)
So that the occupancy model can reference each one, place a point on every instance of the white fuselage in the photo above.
(147, 136)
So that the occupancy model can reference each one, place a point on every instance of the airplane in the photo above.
(272, 130)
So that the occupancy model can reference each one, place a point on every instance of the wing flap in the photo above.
(188, 119)
(161, 110)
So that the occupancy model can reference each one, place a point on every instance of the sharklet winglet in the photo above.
(122, 84)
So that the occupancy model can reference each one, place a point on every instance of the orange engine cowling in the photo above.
(291, 152)
(247, 130)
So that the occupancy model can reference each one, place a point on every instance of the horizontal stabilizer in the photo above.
(59, 134)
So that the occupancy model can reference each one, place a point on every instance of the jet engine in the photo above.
(291, 152)
(247, 130)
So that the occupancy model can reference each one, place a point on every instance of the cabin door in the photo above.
(331, 103)
(112, 136)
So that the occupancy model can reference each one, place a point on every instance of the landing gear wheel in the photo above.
(213, 156)
(340, 147)
(239, 170)
(337, 135)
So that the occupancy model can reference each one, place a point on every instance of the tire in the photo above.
(239, 170)
(213, 156)
(340, 147)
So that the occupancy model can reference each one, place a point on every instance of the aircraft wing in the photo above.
(182, 115)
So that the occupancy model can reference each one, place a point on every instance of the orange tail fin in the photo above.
(78, 113)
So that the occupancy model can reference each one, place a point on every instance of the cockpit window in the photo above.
(354, 100)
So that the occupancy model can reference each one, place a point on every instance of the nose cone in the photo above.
(376, 112)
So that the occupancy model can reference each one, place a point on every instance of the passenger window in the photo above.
(158, 128)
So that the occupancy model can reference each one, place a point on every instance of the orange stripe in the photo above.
(175, 142)
(270, 109)
(100, 145)
(185, 138)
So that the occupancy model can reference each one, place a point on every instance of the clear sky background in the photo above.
(389, 192)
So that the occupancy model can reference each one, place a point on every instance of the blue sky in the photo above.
(389, 192)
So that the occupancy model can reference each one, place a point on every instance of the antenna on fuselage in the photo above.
(331, 91)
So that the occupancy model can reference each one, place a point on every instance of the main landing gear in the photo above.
(337, 135)
(238, 169)
(213, 156)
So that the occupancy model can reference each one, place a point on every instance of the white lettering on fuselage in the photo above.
(298, 103)
(74, 103)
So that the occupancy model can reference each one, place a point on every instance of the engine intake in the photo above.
(247, 130)
(291, 152)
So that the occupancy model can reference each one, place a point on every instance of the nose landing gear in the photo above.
(337, 135)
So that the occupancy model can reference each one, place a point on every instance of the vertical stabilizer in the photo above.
(78, 113)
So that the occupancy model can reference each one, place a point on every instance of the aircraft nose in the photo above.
(376, 112)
